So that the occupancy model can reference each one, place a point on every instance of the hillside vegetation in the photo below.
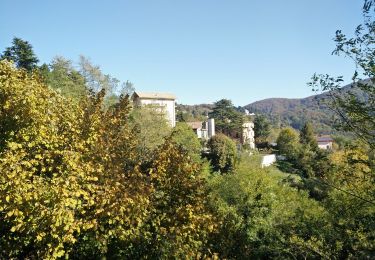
(295, 112)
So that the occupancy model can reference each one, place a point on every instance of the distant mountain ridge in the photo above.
(295, 112)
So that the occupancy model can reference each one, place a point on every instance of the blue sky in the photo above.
(200, 50)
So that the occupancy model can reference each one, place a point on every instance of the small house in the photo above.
(325, 142)
(203, 130)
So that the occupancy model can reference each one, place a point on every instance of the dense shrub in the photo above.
(263, 219)
(222, 153)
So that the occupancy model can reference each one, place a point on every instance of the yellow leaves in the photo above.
(40, 236)
(14, 145)
(98, 211)
(10, 213)
(71, 203)
(88, 226)
(58, 254)
(6, 105)
(13, 212)
(13, 229)
(65, 174)
(17, 227)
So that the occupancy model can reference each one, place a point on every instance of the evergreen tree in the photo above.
(262, 128)
(223, 153)
(22, 54)
(227, 119)
(307, 136)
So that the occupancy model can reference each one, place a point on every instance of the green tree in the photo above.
(288, 143)
(262, 128)
(312, 161)
(227, 119)
(65, 79)
(127, 88)
(307, 136)
(151, 127)
(262, 219)
(22, 54)
(95, 79)
(351, 180)
(223, 153)
(184, 136)
(355, 115)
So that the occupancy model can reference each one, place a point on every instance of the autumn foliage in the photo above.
(71, 184)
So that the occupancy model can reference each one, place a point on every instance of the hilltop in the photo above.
(295, 112)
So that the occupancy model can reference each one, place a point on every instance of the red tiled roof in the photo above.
(324, 139)
(195, 125)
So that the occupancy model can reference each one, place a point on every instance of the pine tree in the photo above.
(262, 128)
(22, 54)
(307, 136)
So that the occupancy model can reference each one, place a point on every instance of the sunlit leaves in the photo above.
(63, 171)
(72, 183)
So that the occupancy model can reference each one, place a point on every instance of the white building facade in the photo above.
(165, 101)
(248, 134)
(325, 143)
(203, 130)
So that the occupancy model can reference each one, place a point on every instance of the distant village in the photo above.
(206, 129)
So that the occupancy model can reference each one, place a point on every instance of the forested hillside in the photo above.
(189, 113)
(295, 112)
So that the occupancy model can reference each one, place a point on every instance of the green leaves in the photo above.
(262, 128)
(260, 216)
(354, 104)
(227, 119)
(223, 153)
(22, 54)
(288, 143)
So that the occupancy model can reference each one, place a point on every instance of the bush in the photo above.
(223, 153)
(262, 218)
